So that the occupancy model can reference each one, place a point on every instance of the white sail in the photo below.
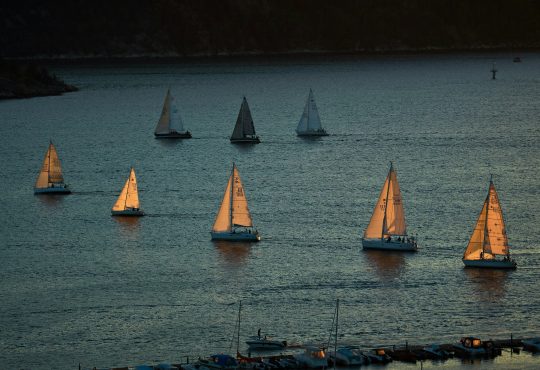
(244, 122)
(176, 122)
(310, 120)
(489, 237)
(51, 170)
(234, 210)
(388, 216)
(163, 125)
(129, 197)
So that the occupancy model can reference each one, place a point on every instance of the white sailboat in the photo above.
(488, 241)
(128, 203)
(233, 221)
(310, 122)
(170, 124)
(244, 130)
(387, 229)
(50, 179)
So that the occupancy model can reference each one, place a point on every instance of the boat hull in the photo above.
(494, 263)
(265, 344)
(236, 236)
(246, 140)
(389, 245)
(52, 190)
(128, 213)
(313, 133)
(174, 135)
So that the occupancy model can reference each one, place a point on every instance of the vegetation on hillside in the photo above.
(75, 28)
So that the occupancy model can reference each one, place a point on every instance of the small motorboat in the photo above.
(313, 358)
(349, 356)
(532, 344)
(379, 356)
(265, 343)
(470, 346)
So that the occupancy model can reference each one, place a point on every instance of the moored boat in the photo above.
(220, 362)
(128, 203)
(313, 358)
(310, 122)
(470, 346)
(170, 124)
(50, 179)
(349, 356)
(233, 221)
(378, 356)
(387, 229)
(244, 129)
(488, 246)
(532, 344)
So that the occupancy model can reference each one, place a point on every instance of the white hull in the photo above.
(128, 212)
(312, 133)
(236, 236)
(265, 344)
(53, 190)
(494, 264)
(393, 245)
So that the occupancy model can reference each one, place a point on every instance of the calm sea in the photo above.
(78, 286)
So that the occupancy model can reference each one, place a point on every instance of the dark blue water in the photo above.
(81, 287)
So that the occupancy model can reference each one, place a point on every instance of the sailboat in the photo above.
(488, 241)
(387, 228)
(244, 130)
(310, 122)
(50, 179)
(127, 203)
(233, 221)
(170, 124)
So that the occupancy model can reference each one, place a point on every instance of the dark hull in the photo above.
(174, 135)
(246, 140)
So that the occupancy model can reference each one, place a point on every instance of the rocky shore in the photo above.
(23, 80)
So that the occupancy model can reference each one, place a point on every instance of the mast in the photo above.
(49, 167)
(231, 200)
(386, 202)
(238, 334)
(335, 341)
(486, 222)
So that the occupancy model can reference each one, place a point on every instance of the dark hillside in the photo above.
(79, 28)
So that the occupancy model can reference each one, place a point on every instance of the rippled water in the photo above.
(81, 287)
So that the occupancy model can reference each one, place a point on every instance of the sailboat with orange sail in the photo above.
(233, 221)
(50, 179)
(128, 203)
(387, 229)
(488, 246)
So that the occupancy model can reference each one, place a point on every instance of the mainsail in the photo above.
(129, 197)
(489, 236)
(310, 120)
(244, 123)
(170, 119)
(388, 217)
(234, 209)
(51, 171)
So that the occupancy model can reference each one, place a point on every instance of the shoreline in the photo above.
(224, 56)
